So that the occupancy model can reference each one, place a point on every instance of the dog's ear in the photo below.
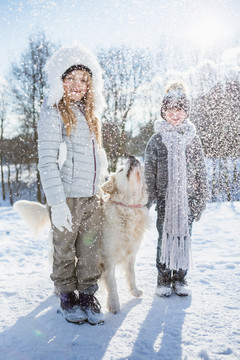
(109, 186)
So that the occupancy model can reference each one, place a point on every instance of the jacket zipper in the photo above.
(95, 166)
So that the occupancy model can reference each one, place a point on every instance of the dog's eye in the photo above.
(120, 170)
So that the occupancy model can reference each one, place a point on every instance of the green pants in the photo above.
(76, 253)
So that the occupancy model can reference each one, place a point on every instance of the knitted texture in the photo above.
(176, 242)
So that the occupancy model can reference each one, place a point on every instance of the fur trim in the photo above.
(63, 59)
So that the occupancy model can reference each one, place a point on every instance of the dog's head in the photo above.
(127, 183)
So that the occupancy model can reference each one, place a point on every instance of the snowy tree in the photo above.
(216, 116)
(29, 86)
(3, 118)
(124, 71)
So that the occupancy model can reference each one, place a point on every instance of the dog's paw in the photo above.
(137, 293)
(113, 307)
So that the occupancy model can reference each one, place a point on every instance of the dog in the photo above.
(125, 218)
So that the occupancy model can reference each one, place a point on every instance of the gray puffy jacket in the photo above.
(156, 173)
(79, 175)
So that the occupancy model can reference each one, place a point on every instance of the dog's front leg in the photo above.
(130, 274)
(113, 304)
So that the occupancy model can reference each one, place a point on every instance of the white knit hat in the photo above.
(62, 60)
(176, 96)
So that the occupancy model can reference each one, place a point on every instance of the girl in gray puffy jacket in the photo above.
(69, 149)
(175, 173)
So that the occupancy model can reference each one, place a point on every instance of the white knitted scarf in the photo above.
(176, 241)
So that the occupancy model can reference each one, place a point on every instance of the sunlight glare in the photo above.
(208, 31)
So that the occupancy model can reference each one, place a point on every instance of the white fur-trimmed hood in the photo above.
(62, 60)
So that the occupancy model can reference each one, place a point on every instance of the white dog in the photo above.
(125, 219)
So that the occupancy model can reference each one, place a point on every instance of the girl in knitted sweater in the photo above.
(175, 173)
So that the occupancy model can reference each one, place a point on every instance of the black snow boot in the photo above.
(92, 308)
(70, 308)
(164, 281)
(179, 283)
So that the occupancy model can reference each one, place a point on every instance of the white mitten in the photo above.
(61, 216)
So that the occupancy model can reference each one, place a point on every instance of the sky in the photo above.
(197, 24)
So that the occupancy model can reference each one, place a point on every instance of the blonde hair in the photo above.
(69, 117)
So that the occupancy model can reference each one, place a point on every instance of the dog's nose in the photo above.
(133, 161)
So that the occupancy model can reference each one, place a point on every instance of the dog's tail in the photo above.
(34, 214)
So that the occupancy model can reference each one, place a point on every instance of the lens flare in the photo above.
(37, 332)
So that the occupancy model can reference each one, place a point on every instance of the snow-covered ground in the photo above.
(203, 326)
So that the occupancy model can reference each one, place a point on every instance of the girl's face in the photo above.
(75, 85)
(175, 116)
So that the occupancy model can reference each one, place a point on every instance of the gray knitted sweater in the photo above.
(79, 175)
(156, 173)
